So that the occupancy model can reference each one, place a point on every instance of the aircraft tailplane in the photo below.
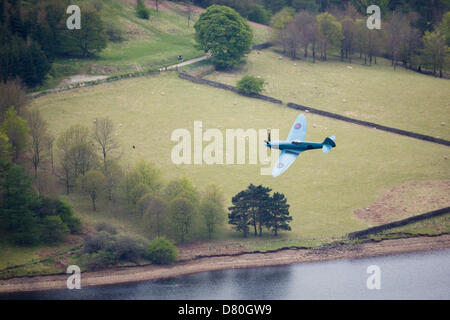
(328, 144)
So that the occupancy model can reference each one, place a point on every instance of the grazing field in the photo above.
(403, 99)
(323, 190)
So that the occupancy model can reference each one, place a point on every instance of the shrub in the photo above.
(130, 249)
(53, 229)
(103, 226)
(99, 241)
(161, 251)
(250, 85)
(142, 11)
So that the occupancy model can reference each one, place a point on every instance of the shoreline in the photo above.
(244, 260)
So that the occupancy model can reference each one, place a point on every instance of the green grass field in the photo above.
(323, 190)
(402, 99)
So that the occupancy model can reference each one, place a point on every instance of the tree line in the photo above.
(429, 13)
(345, 31)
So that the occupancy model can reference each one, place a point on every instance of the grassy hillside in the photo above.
(154, 42)
(402, 99)
(323, 190)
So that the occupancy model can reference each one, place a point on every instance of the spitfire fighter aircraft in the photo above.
(296, 144)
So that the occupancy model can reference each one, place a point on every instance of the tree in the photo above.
(16, 129)
(154, 211)
(141, 10)
(142, 179)
(250, 208)
(77, 154)
(278, 218)
(6, 149)
(113, 178)
(94, 185)
(161, 251)
(330, 33)
(183, 210)
(306, 26)
(88, 40)
(250, 85)
(279, 21)
(12, 94)
(212, 208)
(39, 137)
(103, 133)
(435, 51)
(223, 32)
(445, 27)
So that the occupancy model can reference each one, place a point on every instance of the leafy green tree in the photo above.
(223, 32)
(161, 251)
(113, 179)
(250, 208)
(278, 214)
(435, 51)
(53, 229)
(94, 185)
(16, 129)
(279, 21)
(154, 212)
(212, 214)
(103, 134)
(330, 33)
(250, 85)
(88, 40)
(183, 210)
(6, 149)
(141, 10)
(142, 179)
(445, 27)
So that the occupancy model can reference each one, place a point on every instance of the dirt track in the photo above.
(283, 257)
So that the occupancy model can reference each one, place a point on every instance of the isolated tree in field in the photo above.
(94, 185)
(88, 40)
(39, 136)
(154, 211)
(330, 33)
(16, 129)
(435, 51)
(278, 214)
(223, 32)
(103, 133)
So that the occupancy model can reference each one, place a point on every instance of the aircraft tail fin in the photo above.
(328, 144)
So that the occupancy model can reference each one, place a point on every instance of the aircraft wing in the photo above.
(285, 159)
(298, 130)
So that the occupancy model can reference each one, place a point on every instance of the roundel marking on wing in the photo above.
(280, 165)
(298, 126)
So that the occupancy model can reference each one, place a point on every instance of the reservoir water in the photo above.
(422, 275)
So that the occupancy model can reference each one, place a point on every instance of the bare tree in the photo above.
(103, 133)
(39, 136)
